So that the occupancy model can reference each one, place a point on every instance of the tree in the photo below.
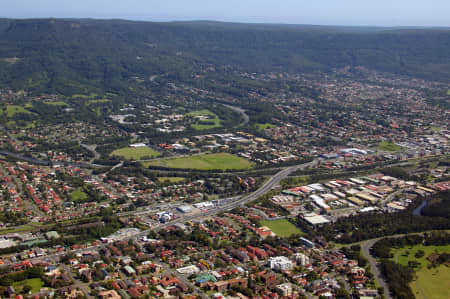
(6, 282)
(312, 276)
(419, 254)
(26, 289)
(342, 294)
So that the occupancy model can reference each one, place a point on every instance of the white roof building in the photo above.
(192, 269)
(315, 219)
(280, 263)
(138, 145)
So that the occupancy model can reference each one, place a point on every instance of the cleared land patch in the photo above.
(135, 153)
(282, 227)
(220, 161)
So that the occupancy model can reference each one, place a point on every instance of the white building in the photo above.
(204, 205)
(5, 243)
(284, 289)
(301, 259)
(280, 263)
(185, 209)
(315, 219)
(189, 270)
(135, 145)
(320, 202)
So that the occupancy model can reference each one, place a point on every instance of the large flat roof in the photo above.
(316, 219)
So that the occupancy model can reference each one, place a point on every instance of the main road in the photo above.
(233, 202)
(365, 249)
(230, 204)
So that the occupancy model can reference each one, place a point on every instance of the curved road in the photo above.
(91, 148)
(240, 111)
(365, 248)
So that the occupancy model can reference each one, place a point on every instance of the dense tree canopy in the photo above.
(79, 56)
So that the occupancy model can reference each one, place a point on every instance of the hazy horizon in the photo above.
(383, 13)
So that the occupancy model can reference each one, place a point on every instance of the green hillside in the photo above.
(83, 56)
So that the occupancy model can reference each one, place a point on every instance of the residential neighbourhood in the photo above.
(163, 196)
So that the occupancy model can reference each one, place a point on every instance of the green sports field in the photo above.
(389, 146)
(282, 227)
(135, 153)
(219, 161)
(432, 283)
(35, 283)
(265, 126)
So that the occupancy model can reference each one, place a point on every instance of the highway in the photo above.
(227, 204)
(231, 204)
(234, 201)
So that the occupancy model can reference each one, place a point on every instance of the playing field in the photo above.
(282, 227)
(429, 282)
(135, 153)
(432, 283)
(35, 283)
(220, 161)
(265, 126)
(389, 146)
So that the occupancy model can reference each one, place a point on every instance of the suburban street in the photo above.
(365, 248)
(222, 205)
(234, 202)
(79, 284)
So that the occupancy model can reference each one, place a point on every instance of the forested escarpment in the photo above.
(78, 56)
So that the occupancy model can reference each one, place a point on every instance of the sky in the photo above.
(317, 12)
